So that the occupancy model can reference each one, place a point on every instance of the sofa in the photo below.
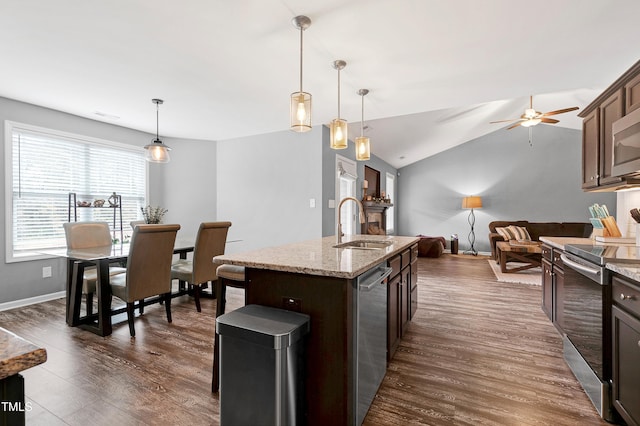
(539, 229)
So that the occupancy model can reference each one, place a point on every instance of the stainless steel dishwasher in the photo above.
(370, 331)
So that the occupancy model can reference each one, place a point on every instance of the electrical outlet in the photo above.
(292, 304)
(46, 271)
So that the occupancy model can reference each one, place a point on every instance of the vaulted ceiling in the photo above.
(438, 71)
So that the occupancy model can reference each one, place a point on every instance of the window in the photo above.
(391, 194)
(43, 166)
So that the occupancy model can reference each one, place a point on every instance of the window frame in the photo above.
(390, 221)
(11, 126)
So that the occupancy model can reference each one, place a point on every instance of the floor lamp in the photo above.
(472, 203)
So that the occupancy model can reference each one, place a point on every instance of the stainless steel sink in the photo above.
(365, 244)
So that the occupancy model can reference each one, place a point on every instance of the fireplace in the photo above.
(375, 217)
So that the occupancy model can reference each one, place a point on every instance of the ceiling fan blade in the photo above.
(549, 120)
(560, 111)
(505, 121)
(515, 125)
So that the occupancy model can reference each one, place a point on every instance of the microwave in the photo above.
(626, 145)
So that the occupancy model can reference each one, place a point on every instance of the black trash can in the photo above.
(454, 244)
(262, 366)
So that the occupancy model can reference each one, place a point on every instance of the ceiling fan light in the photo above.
(530, 113)
(363, 148)
(531, 122)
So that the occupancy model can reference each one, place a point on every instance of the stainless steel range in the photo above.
(586, 317)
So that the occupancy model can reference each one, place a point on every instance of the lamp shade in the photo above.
(472, 202)
(363, 149)
(157, 152)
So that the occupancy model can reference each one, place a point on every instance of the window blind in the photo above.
(47, 166)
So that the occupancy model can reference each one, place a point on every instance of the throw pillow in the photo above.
(520, 233)
(512, 232)
(505, 233)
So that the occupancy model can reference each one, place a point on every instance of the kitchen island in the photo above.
(318, 279)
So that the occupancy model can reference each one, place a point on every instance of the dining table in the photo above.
(101, 257)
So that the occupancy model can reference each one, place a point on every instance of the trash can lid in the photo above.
(271, 327)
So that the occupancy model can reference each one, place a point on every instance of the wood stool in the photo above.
(228, 275)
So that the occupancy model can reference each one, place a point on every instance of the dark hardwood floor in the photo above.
(478, 352)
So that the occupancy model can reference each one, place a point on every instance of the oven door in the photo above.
(587, 327)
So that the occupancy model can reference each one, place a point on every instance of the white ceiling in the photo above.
(438, 71)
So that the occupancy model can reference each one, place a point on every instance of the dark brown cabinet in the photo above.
(622, 97)
(402, 294)
(626, 349)
(611, 110)
(553, 285)
(590, 150)
(632, 94)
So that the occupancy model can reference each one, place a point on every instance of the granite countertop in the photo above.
(560, 242)
(18, 354)
(319, 257)
(626, 269)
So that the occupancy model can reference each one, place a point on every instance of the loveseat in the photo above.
(539, 229)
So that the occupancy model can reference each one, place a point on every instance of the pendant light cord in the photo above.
(157, 121)
(362, 117)
(338, 93)
(301, 31)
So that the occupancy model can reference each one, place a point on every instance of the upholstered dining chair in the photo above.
(86, 235)
(210, 242)
(148, 268)
(135, 223)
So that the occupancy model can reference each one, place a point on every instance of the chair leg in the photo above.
(221, 290)
(130, 315)
(196, 296)
(89, 304)
(141, 306)
(167, 305)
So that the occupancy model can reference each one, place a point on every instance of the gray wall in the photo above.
(538, 183)
(264, 185)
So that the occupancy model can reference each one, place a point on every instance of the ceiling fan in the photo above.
(531, 117)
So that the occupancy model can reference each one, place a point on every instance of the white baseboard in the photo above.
(32, 300)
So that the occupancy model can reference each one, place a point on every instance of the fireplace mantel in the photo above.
(375, 217)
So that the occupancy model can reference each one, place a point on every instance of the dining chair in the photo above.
(135, 223)
(210, 242)
(232, 276)
(148, 268)
(86, 235)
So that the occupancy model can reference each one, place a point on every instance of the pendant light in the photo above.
(338, 128)
(363, 149)
(157, 152)
(300, 113)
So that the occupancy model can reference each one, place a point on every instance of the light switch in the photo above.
(46, 271)
(312, 203)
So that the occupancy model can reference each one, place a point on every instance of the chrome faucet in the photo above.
(339, 234)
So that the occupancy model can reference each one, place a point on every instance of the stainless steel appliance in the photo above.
(586, 317)
(370, 327)
(626, 145)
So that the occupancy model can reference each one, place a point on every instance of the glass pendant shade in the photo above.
(157, 152)
(301, 111)
(338, 133)
(363, 149)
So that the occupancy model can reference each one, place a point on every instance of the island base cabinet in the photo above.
(394, 330)
(626, 366)
(329, 368)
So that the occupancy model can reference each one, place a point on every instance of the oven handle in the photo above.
(595, 272)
